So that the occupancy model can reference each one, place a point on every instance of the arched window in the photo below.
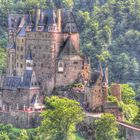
(60, 67)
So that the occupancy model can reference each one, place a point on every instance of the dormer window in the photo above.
(60, 67)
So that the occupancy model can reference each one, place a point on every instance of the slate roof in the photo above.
(67, 48)
(47, 17)
(26, 83)
(22, 32)
(15, 82)
(12, 83)
(12, 46)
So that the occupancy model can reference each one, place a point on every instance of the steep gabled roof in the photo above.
(12, 82)
(27, 77)
(67, 48)
(22, 32)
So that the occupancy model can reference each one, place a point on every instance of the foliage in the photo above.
(15, 133)
(136, 120)
(4, 136)
(128, 94)
(60, 118)
(113, 99)
(68, 3)
(2, 59)
(130, 111)
(106, 128)
(128, 104)
(23, 135)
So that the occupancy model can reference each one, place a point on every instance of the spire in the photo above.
(106, 74)
(100, 69)
(53, 17)
(59, 20)
(85, 60)
(70, 31)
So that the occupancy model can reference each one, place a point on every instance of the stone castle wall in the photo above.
(20, 119)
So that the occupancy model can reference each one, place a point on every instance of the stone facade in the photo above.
(20, 119)
(53, 39)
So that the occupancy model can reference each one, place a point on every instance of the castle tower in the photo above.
(12, 23)
(11, 60)
(86, 70)
(20, 51)
(29, 61)
(116, 91)
(105, 85)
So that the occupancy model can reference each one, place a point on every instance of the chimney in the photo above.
(38, 11)
(59, 20)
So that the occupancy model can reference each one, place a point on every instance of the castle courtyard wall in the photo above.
(20, 119)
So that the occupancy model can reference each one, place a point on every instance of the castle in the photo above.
(43, 54)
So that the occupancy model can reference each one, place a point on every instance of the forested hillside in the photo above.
(110, 31)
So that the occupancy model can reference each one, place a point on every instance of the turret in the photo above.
(52, 27)
(29, 61)
(59, 20)
(86, 70)
(11, 60)
(105, 85)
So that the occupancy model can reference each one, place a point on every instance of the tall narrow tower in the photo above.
(11, 60)
(29, 61)
(105, 85)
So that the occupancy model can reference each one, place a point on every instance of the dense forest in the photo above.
(109, 29)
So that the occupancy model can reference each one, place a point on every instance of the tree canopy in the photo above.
(106, 128)
(60, 118)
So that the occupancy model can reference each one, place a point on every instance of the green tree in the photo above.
(23, 135)
(129, 111)
(68, 3)
(106, 128)
(128, 94)
(2, 60)
(30, 4)
(60, 118)
(136, 120)
(4, 136)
